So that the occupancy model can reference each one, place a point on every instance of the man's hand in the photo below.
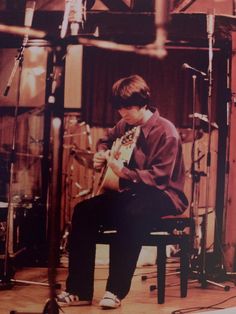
(117, 166)
(100, 158)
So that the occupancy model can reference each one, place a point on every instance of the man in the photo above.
(149, 186)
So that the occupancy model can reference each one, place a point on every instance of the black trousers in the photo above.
(132, 213)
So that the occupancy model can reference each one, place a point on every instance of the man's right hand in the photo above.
(100, 158)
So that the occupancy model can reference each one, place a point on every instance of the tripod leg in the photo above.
(225, 287)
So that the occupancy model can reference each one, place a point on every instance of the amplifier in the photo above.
(16, 233)
(27, 227)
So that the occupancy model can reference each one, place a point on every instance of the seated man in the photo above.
(150, 186)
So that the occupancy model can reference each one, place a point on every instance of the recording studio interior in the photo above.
(108, 103)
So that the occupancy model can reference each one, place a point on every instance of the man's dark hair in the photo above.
(130, 91)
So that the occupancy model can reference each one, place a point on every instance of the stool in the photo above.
(171, 230)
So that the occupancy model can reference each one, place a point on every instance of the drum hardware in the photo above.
(84, 193)
(83, 157)
(186, 135)
(204, 118)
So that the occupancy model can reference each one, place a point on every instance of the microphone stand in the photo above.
(203, 274)
(51, 306)
(195, 175)
(6, 281)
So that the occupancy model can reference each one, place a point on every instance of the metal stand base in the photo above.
(8, 284)
(51, 307)
(207, 281)
(204, 280)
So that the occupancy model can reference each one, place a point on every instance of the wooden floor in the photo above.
(28, 298)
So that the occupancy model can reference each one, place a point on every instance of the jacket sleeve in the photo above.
(106, 142)
(160, 166)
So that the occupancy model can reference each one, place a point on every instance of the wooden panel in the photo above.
(73, 77)
(32, 80)
(203, 6)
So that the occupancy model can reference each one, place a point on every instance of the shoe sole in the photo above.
(75, 303)
(109, 306)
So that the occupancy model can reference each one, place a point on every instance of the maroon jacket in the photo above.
(157, 159)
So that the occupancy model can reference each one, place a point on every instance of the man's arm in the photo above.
(160, 167)
(104, 144)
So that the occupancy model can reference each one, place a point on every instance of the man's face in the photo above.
(132, 115)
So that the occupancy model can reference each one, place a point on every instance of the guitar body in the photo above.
(122, 150)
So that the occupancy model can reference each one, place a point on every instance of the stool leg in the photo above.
(184, 268)
(161, 273)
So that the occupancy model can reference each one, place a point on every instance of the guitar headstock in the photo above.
(131, 136)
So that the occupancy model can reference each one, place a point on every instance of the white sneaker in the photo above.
(67, 299)
(109, 301)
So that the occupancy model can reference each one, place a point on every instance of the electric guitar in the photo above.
(122, 149)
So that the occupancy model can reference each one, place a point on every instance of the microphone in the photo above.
(29, 13)
(210, 24)
(77, 16)
(65, 21)
(210, 31)
(186, 66)
(162, 10)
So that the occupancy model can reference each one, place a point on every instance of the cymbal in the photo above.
(83, 157)
(21, 31)
(186, 135)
